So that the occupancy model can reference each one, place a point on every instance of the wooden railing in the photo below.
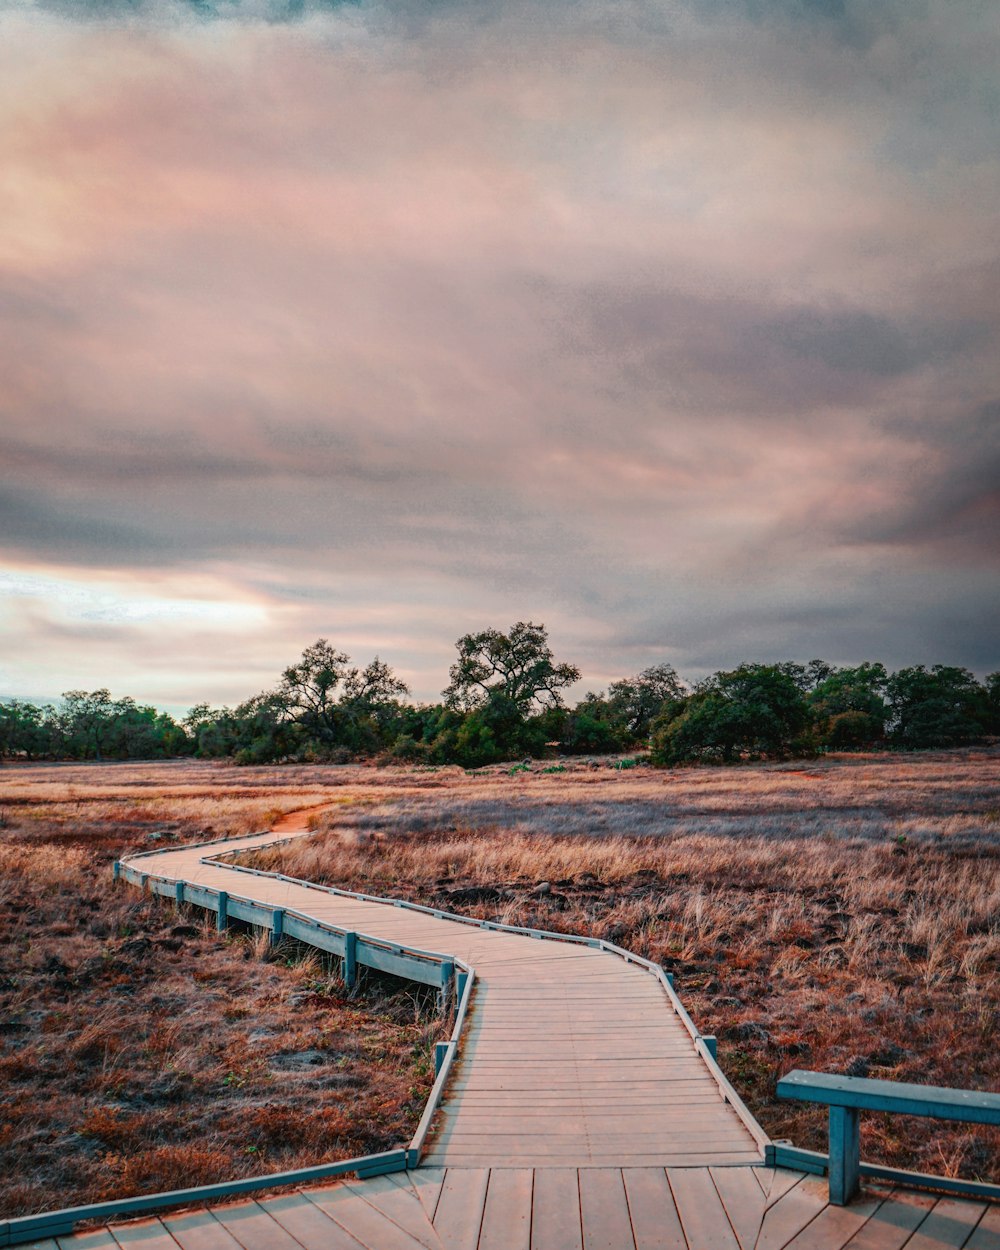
(848, 1096)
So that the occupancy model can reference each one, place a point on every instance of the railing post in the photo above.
(277, 925)
(116, 870)
(350, 959)
(711, 1045)
(440, 1054)
(461, 978)
(845, 1154)
(447, 983)
(178, 892)
(222, 918)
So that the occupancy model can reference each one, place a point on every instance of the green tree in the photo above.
(634, 702)
(517, 666)
(848, 706)
(309, 691)
(370, 705)
(992, 685)
(23, 730)
(751, 711)
(938, 707)
(497, 683)
(589, 729)
(90, 716)
(332, 705)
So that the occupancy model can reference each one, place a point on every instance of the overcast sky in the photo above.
(673, 326)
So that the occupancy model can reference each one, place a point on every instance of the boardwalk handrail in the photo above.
(49, 1224)
(848, 1096)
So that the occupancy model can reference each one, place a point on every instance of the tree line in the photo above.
(505, 700)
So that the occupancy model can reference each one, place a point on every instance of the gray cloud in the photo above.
(675, 327)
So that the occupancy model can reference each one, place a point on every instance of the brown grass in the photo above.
(840, 915)
(844, 916)
(140, 1051)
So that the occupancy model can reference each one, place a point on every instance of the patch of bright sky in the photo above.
(112, 601)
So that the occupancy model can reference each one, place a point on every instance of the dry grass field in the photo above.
(841, 915)
(139, 1050)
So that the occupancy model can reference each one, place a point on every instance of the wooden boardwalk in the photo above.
(699, 1208)
(570, 1055)
(580, 1117)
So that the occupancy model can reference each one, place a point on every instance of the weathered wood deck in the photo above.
(570, 1056)
(580, 1117)
(552, 1208)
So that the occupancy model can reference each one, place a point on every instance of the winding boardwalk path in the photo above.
(580, 1117)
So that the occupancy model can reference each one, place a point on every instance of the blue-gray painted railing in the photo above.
(38, 1228)
(847, 1096)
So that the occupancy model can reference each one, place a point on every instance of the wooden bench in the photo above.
(848, 1096)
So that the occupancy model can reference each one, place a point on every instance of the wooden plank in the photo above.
(199, 1230)
(362, 1221)
(891, 1225)
(507, 1213)
(667, 1092)
(150, 1234)
(506, 1138)
(782, 1181)
(555, 1210)
(401, 1205)
(304, 1221)
(835, 1225)
(949, 1225)
(655, 1222)
(253, 1228)
(426, 1184)
(987, 1234)
(791, 1213)
(764, 1176)
(604, 1210)
(99, 1239)
(703, 1217)
(529, 1157)
(459, 1214)
(744, 1201)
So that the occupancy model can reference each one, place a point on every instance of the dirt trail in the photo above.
(298, 821)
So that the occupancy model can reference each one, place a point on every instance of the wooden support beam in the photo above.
(277, 925)
(350, 959)
(222, 915)
(447, 984)
(179, 892)
(845, 1154)
(440, 1054)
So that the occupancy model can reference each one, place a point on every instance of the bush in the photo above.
(939, 707)
(750, 712)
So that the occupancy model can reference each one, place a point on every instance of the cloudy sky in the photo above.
(672, 325)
